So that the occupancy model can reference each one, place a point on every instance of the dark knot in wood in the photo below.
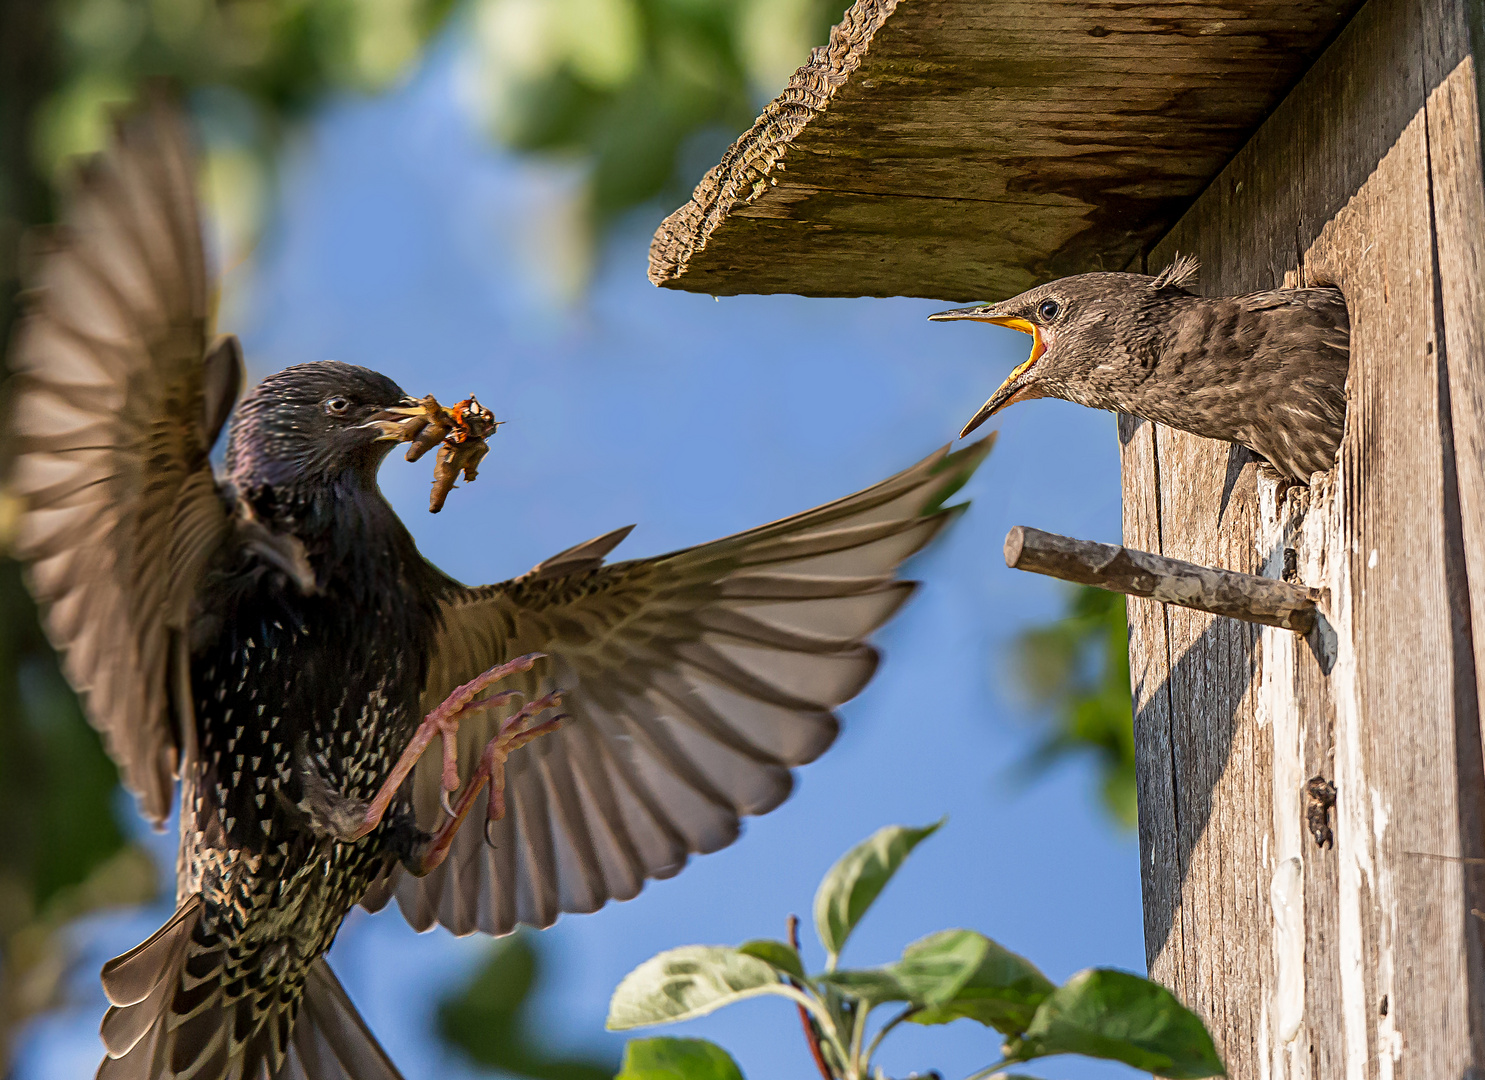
(1319, 798)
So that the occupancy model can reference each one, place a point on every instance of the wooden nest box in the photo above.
(968, 149)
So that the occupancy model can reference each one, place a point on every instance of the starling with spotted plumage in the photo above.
(1267, 370)
(271, 636)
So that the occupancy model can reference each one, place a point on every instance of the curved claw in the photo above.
(444, 722)
(511, 737)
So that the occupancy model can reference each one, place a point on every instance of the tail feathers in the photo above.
(139, 1030)
(173, 1019)
(129, 979)
(331, 1041)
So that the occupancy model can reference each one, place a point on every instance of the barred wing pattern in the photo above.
(117, 404)
(695, 682)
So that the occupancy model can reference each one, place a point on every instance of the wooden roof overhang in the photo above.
(962, 149)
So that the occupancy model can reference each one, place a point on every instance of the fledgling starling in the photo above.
(272, 636)
(1267, 370)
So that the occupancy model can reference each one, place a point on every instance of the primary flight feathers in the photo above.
(696, 681)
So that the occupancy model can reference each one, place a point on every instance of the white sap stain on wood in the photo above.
(1287, 895)
(1352, 836)
(1278, 709)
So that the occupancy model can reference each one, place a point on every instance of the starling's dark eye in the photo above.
(337, 406)
(1049, 309)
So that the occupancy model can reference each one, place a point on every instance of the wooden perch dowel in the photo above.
(1138, 573)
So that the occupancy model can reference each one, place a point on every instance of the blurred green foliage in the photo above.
(249, 67)
(636, 98)
(1075, 671)
(273, 58)
(644, 93)
(489, 1018)
(63, 854)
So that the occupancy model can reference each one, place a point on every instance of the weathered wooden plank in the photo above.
(1454, 78)
(989, 143)
(1456, 140)
(1363, 958)
(1218, 761)
(1149, 666)
(1294, 705)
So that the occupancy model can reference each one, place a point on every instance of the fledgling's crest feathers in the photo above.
(1182, 272)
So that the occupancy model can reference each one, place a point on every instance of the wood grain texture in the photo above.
(1149, 669)
(962, 149)
(1360, 960)
(1452, 61)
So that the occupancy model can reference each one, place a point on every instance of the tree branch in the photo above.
(811, 1031)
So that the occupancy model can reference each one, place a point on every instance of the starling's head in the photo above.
(1088, 334)
(315, 424)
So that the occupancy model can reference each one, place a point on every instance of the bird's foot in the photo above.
(443, 722)
(515, 732)
(522, 727)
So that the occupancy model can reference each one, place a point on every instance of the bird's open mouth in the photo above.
(1014, 388)
(394, 424)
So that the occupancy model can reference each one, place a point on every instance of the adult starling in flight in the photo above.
(271, 635)
(1267, 370)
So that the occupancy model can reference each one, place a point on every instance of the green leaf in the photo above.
(1003, 991)
(687, 982)
(856, 880)
(931, 971)
(935, 968)
(677, 1059)
(872, 985)
(1122, 1017)
(781, 956)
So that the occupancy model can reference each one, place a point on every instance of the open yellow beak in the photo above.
(1011, 390)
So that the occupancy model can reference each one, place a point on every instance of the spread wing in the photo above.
(117, 400)
(694, 680)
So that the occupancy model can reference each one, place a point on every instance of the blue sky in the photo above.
(404, 242)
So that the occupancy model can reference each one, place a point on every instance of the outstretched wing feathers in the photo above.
(588, 555)
(113, 427)
(695, 682)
